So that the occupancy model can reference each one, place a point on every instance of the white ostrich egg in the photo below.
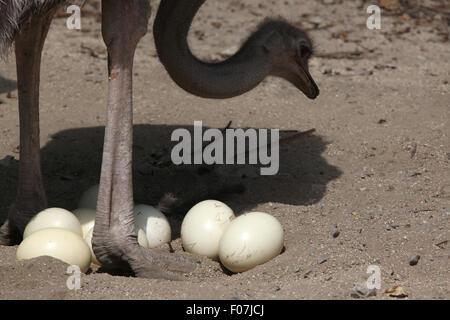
(154, 223)
(203, 227)
(250, 240)
(89, 198)
(142, 238)
(53, 218)
(88, 240)
(86, 216)
(61, 244)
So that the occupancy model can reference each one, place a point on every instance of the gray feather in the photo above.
(13, 13)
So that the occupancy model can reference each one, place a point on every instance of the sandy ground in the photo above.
(377, 169)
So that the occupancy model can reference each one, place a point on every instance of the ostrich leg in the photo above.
(31, 196)
(114, 240)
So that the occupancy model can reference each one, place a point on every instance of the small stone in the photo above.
(275, 289)
(307, 274)
(336, 234)
(361, 291)
(316, 20)
(296, 270)
(414, 260)
(322, 260)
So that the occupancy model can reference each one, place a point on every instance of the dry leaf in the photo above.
(397, 292)
(390, 5)
(405, 17)
(355, 213)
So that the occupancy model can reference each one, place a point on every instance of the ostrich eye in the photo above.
(304, 51)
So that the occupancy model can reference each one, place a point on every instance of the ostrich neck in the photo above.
(232, 77)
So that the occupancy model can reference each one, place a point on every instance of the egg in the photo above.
(250, 240)
(203, 226)
(142, 238)
(89, 198)
(53, 218)
(88, 240)
(86, 217)
(61, 244)
(154, 223)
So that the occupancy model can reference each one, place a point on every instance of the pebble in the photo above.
(336, 234)
(307, 274)
(414, 260)
(322, 260)
(275, 289)
(361, 291)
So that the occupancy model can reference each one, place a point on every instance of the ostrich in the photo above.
(277, 49)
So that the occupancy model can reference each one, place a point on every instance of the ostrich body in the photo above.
(277, 48)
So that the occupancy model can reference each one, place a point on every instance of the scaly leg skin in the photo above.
(31, 196)
(115, 244)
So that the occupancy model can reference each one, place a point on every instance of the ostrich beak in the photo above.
(297, 73)
(304, 81)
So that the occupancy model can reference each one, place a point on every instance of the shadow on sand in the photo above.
(71, 163)
(7, 85)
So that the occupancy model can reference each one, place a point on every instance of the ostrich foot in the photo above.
(153, 264)
(7, 237)
(131, 259)
(11, 232)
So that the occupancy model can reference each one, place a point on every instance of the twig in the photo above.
(327, 26)
(296, 136)
(207, 143)
(414, 150)
(284, 140)
(441, 243)
(355, 55)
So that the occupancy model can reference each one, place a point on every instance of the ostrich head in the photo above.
(290, 49)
